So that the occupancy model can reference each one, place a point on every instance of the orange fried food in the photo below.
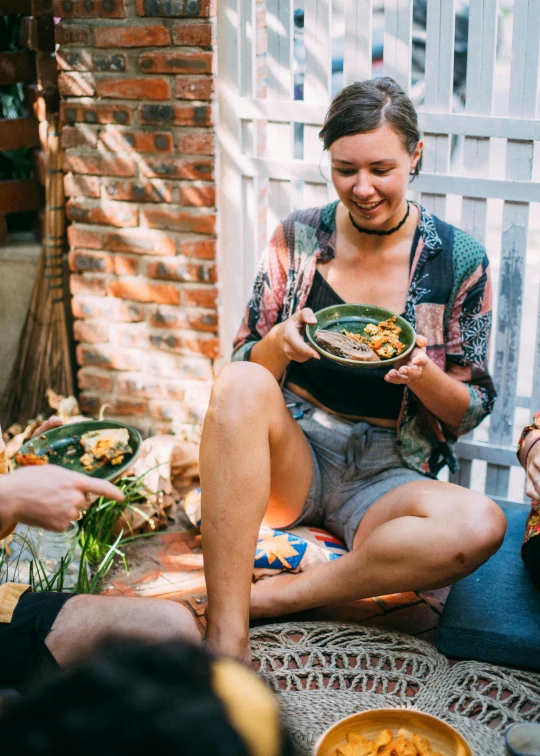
(404, 744)
(31, 459)
(382, 338)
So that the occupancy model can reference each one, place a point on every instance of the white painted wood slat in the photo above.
(522, 102)
(430, 121)
(438, 91)
(358, 41)
(317, 86)
(230, 28)
(479, 99)
(279, 136)
(397, 41)
(246, 46)
(279, 29)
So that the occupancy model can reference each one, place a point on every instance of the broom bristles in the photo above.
(43, 358)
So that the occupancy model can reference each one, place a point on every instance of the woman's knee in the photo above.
(483, 526)
(241, 390)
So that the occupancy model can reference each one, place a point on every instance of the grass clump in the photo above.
(103, 531)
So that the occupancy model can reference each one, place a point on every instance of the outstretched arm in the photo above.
(48, 496)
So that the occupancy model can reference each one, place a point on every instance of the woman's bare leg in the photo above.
(420, 536)
(254, 459)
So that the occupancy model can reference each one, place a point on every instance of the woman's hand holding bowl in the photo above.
(290, 336)
(411, 368)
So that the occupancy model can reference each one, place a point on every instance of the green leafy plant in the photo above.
(98, 537)
(99, 542)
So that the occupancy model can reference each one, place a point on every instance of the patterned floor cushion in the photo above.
(295, 550)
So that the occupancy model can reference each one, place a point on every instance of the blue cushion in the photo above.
(493, 615)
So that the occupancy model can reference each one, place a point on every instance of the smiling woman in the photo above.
(370, 172)
(362, 459)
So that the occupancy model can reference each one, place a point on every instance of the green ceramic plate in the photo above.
(355, 318)
(59, 443)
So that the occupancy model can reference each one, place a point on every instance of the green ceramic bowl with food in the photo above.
(99, 448)
(361, 336)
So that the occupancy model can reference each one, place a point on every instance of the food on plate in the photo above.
(378, 342)
(24, 460)
(101, 446)
(406, 743)
(382, 338)
(343, 346)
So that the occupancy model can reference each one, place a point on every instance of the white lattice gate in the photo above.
(487, 189)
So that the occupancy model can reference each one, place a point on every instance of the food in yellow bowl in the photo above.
(391, 732)
(405, 743)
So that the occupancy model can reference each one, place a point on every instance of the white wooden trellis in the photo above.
(260, 183)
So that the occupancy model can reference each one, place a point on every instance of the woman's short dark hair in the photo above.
(366, 105)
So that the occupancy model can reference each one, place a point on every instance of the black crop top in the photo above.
(344, 389)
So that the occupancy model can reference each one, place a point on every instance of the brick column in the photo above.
(137, 82)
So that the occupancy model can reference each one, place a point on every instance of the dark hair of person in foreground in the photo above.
(139, 698)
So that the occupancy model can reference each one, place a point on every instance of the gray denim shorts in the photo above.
(354, 464)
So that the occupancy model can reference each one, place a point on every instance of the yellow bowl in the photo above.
(441, 736)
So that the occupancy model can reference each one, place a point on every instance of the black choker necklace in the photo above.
(381, 233)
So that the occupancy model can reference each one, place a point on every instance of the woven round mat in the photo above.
(324, 671)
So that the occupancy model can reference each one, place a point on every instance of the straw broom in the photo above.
(43, 359)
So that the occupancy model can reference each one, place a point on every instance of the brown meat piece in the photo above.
(342, 346)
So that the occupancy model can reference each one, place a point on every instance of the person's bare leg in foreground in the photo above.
(85, 621)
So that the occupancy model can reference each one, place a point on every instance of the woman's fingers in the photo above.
(405, 374)
(53, 422)
(307, 316)
(296, 347)
(421, 342)
(420, 359)
(394, 377)
(88, 485)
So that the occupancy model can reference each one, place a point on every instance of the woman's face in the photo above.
(371, 173)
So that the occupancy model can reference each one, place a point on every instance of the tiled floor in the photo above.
(169, 565)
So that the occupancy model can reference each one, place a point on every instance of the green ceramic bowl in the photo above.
(57, 442)
(355, 318)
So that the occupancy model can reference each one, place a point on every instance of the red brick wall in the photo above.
(137, 84)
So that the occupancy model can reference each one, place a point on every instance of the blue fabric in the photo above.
(493, 615)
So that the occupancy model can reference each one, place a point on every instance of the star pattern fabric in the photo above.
(295, 550)
(276, 548)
